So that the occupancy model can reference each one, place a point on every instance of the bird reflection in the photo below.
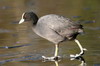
(83, 63)
(56, 60)
(80, 58)
(38, 57)
(56, 63)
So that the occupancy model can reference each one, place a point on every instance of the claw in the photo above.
(51, 58)
(73, 57)
(85, 49)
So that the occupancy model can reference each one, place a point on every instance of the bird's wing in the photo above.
(60, 24)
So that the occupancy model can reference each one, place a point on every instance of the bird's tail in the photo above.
(80, 31)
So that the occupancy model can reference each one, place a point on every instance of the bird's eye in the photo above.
(25, 16)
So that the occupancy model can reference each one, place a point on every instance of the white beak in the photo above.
(21, 21)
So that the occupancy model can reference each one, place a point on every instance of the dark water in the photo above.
(25, 48)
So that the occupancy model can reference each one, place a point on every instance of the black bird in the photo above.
(56, 29)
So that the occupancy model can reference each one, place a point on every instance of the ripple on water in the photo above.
(5, 31)
(5, 7)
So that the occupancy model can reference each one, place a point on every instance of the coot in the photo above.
(56, 29)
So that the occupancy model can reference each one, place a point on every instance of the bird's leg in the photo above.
(56, 50)
(81, 53)
(55, 57)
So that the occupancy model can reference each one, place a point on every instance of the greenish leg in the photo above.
(56, 50)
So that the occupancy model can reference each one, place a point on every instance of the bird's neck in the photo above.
(33, 23)
(35, 20)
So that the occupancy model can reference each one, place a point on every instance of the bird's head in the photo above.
(29, 16)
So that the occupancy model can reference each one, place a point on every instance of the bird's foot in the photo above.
(54, 58)
(78, 56)
(73, 57)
